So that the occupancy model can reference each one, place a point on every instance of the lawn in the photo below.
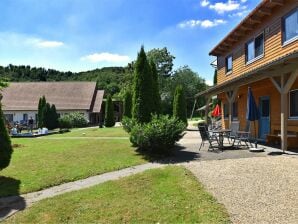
(41, 163)
(94, 132)
(168, 195)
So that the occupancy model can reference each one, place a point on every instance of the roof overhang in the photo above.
(254, 18)
(280, 66)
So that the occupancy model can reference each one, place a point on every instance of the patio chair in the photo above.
(206, 137)
(234, 129)
(244, 136)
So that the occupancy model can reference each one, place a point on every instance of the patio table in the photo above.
(221, 133)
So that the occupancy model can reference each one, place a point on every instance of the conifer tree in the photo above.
(46, 116)
(155, 89)
(5, 143)
(41, 104)
(109, 112)
(179, 104)
(142, 89)
(54, 118)
(127, 104)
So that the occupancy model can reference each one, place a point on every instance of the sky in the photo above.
(80, 35)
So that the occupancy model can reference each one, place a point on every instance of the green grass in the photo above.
(94, 132)
(168, 195)
(41, 163)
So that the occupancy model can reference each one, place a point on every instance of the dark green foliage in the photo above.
(5, 144)
(54, 117)
(46, 116)
(155, 89)
(41, 104)
(142, 89)
(65, 122)
(127, 104)
(179, 104)
(215, 77)
(158, 136)
(109, 112)
(73, 120)
(128, 124)
(163, 60)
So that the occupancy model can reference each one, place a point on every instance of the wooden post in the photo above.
(231, 95)
(208, 98)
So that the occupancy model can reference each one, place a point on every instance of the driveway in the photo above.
(254, 190)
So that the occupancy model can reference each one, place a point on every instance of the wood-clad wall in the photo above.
(273, 47)
(259, 90)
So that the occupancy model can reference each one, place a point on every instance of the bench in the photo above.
(275, 139)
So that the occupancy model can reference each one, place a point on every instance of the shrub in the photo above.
(128, 123)
(64, 122)
(158, 136)
(5, 143)
(73, 120)
(109, 112)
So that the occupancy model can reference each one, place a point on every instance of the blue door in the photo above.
(264, 122)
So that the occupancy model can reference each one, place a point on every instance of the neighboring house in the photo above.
(261, 53)
(20, 100)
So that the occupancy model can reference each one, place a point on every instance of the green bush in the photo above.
(158, 136)
(65, 122)
(73, 120)
(128, 123)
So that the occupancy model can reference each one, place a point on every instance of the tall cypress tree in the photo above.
(41, 104)
(142, 89)
(155, 89)
(46, 116)
(54, 117)
(215, 77)
(179, 104)
(127, 104)
(5, 143)
(109, 112)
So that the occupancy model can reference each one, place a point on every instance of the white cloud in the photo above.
(201, 23)
(240, 13)
(205, 3)
(48, 44)
(105, 57)
(221, 7)
(243, 1)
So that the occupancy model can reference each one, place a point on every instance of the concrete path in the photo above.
(13, 204)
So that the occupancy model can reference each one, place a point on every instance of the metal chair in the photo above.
(234, 129)
(244, 136)
(206, 137)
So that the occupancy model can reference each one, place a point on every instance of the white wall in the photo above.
(18, 115)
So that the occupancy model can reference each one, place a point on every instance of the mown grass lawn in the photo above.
(94, 132)
(41, 163)
(167, 195)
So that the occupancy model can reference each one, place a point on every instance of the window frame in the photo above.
(235, 105)
(226, 64)
(293, 39)
(254, 41)
(292, 117)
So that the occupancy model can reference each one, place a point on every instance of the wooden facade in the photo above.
(271, 75)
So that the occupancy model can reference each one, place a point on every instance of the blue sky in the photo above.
(79, 35)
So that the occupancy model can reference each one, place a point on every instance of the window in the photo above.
(8, 117)
(294, 103)
(226, 110)
(229, 63)
(255, 48)
(290, 26)
(235, 111)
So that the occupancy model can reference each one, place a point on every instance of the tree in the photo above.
(127, 104)
(215, 77)
(54, 117)
(109, 112)
(142, 89)
(179, 104)
(46, 116)
(155, 89)
(41, 104)
(5, 143)
(163, 60)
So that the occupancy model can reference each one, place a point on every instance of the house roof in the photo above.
(98, 101)
(256, 16)
(265, 71)
(65, 95)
